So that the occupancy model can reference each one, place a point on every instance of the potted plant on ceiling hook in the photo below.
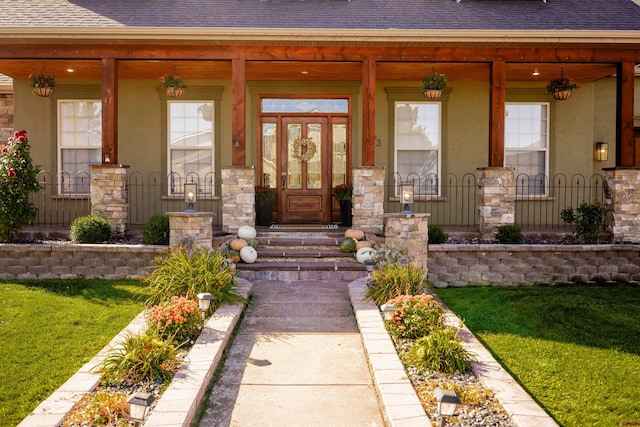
(433, 85)
(561, 88)
(173, 85)
(42, 84)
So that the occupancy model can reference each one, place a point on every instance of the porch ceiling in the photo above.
(305, 70)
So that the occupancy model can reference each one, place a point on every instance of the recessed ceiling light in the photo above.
(535, 73)
(304, 72)
(70, 70)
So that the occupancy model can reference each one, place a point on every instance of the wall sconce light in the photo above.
(204, 301)
(406, 199)
(447, 402)
(190, 196)
(602, 151)
(139, 404)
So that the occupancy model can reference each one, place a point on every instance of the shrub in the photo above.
(414, 316)
(18, 178)
(588, 218)
(186, 274)
(440, 351)
(178, 320)
(139, 358)
(156, 230)
(437, 236)
(390, 254)
(104, 407)
(90, 229)
(394, 280)
(509, 234)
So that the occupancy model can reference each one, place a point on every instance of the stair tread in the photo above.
(302, 265)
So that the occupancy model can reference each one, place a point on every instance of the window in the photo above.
(527, 145)
(190, 134)
(79, 143)
(417, 145)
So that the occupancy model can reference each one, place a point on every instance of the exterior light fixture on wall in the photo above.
(602, 151)
(190, 196)
(406, 199)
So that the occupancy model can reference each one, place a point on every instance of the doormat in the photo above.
(303, 226)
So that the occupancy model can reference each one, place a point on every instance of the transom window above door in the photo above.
(310, 105)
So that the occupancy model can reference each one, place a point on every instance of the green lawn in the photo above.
(49, 329)
(575, 349)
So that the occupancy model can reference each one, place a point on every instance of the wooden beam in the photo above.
(368, 112)
(627, 154)
(496, 114)
(238, 102)
(109, 111)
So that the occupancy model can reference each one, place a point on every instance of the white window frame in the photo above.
(533, 181)
(66, 183)
(175, 184)
(420, 191)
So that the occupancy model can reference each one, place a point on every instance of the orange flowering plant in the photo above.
(414, 316)
(178, 319)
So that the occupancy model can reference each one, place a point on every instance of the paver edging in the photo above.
(384, 365)
(180, 402)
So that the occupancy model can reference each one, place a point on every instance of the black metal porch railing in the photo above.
(63, 198)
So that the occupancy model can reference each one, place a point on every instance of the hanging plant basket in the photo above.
(432, 93)
(561, 95)
(175, 92)
(43, 91)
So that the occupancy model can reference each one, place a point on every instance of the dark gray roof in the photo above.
(352, 14)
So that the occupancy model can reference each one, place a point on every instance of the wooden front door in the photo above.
(305, 178)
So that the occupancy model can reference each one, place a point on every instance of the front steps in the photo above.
(301, 255)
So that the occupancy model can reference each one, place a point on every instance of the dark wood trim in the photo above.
(238, 116)
(197, 51)
(109, 111)
(496, 114)
(368, 112)
(626, 154)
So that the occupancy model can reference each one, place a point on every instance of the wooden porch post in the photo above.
(496, 114)
(238, 101)
(368, 112)
(627, 154)
(109, 111)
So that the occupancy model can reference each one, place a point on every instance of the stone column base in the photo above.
(368, 199)
(496, 199)
(190, 230)
(238, 197)
(622, 203)
(109, 196)
(411, 232)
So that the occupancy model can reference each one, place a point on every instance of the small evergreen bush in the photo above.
(394, 280)
(588, 218)
(441, 351)
(509, 234)
(156, 230)
(437, 236)
(90, 229)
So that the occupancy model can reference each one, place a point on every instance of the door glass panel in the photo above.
(339, 133)
(310, 105)
(269, 132)
(294, 166)
(314, 165)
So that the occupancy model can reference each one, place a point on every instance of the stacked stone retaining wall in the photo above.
(463, 265)
(70, 261)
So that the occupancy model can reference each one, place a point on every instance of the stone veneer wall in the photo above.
(622, 202)
(238, 197)
(71, 261)
(462, 265)
(368, 199)
(496, 199)
(109, 195)
(190, 230)
(411, 232)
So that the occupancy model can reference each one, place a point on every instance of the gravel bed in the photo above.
(479, 407)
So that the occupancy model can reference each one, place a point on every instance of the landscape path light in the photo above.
(447, 402)
(139, 404)
(204, 301)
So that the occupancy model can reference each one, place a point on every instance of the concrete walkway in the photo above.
(297, 360)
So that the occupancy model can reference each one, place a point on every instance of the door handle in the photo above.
(284, 180)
